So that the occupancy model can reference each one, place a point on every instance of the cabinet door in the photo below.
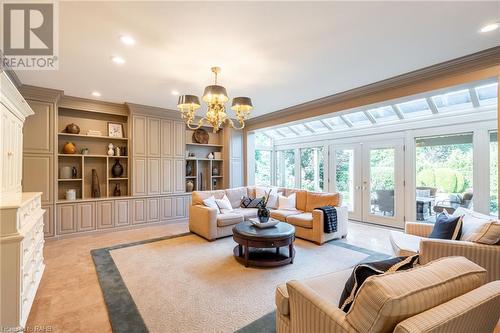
(166, 175)
(37, 175)
(139, 211)
(139, 138)
(167, 142)
(154, 137)
(179, 178)
(154, 179)
(66, 218)
(166, 208)
(122, 212)
(38, 128)
(140, 176)
(48, 221)
(85, 216)
(180, 207)
(105, 214)
(179, 139)
(153, 209)
(17, 157)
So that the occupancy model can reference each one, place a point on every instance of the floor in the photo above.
(69, 298)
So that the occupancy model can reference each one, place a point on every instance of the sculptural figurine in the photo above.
(117, 192)
(111, 150)
(96, 189)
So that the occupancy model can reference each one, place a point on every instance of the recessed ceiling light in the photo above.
(127, 40)
(118, 60)
(490, 27)
(96, 94)
(175, 92)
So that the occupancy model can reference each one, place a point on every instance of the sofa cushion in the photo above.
(447, 227)
(472, 222)
(404, 245)
(301, 198)
(304, 220)
(199, 196)
(318, 199)
(488, 234)
(248, 213)
(282, 214)
(235, 194)
(287, 203)
(385, 300)
(223, 220)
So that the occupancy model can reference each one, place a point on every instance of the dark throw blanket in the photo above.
(330, 220)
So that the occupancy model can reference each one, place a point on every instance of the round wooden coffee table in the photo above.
(254, 244)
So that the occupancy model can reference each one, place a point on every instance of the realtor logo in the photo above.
(29, 35)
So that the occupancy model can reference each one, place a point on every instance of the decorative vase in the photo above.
(117, 151)
(111, 150)
(117, 169)
(74, 172)
(71, 194)
(215, 171)
(263, 214)
(117, 192)
(96, 189)
(210, 156)
(72, 128)
(189, 186)
(189, 168)
(69, 148)
(65, 172)
(85, 151)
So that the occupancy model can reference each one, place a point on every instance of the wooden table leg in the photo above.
(240, 250)
(277, 250)
(246, 255)
(290, 252)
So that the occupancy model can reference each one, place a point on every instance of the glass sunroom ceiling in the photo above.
(317, 126)
(274, 134)
(384, 113)
(286, 131)
(336, 123)
(453, 100)
(487, 94)
(300, 129)
(415, 108)
(358, 118)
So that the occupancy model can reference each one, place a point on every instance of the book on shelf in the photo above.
(94, 133)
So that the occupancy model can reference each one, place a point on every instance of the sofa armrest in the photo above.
(318, 223)
(203, 221)
(419, 229)
(309, 311)
(486, 256)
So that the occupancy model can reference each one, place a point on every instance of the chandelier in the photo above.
(215, 97)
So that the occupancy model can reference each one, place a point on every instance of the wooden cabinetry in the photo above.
(179, 172)
(153, 137)
(153, 209)
(85, 216)
(11, 150)
(66, 218)
(179, 139)
(140, 176)
(122, 212)
(139, 125)
(39, 128)
(167, 176)
(37, 172)
(139, 214)
(48, 221)
(167, 138)
(154, 176)
(166, 208)
(105, 214)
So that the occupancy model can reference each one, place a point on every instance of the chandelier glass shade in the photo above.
(215, 97)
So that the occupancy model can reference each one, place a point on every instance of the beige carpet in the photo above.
(187, 284)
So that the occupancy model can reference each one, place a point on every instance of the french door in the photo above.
(370, 177)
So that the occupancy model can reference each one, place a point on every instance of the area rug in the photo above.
(186, 284)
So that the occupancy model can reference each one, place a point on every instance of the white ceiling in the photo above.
(280, 54)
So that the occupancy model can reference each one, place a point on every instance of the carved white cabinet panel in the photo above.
(85, 216)
(179, 139)
(105, 214)
(167, 142)
(180, 207)
(139, 214)
(140, 133)
(66, 218)
(48, 221)
(154, 137)
(166, 208)
(38, 131)
(153, 209)
(122, 212)
(36, 175)
(140, 176)
(178, 176)
(166, 176)
(154, 178)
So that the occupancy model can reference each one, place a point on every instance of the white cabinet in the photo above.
(180, 207)
(166, 176)
(154, 182)
(105, 214)
(85, 216)
(139, 138)
(11, 151)
(48, 221)
(154, 137)
(139, 214)
(179, 139)
(179, 176)
(140, 177)
(153, 209)
(167, 142)
(66, 218)
(122, 212)
(166, 208)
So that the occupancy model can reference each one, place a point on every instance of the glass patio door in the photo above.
(383, 183)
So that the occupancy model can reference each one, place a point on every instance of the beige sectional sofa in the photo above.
(447, 295)
(308, 221)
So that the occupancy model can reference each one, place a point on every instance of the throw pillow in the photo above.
(210, 202)
(272, 202)
(363, 271)
(488, 234)
(287, 203)
(247, 202)
(224, 204)
(447, 227)
(472, 223)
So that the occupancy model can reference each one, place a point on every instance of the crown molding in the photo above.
(472, 62)
(41, 94)
(10, 72)
(86, 104)
(153, 111)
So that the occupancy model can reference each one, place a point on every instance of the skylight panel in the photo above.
(358, 118)
(301, 129)
(453, 100)
(317, 126)
(273, 134)
(487, 94)
(286, 131)
(335, 122)
(262, 140)
(415, 108)
(384, 113)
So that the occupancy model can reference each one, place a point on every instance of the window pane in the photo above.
(453, 100)
(336, 123)
(285, 171)
(444, 169)
(358, 118)
(312, 169)
(301, 129)
(344, 176)
(273, 134)
(286, 131)
(494, 174)
(262, 167)
(416, 108)
(262, 140)
(382, 181)
(383, 113)
(317, 126)
(487, 94)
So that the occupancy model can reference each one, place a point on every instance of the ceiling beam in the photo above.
(474, 98)
(398, 112)
(432, 105)
(326, 124)
(370, 117)
(346, 121)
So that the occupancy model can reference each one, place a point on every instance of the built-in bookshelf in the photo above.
(204, 171)
(91, 154)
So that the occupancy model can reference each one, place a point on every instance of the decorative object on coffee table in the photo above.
(72, 128)
(69, 148)
(263, 212)
(117, 192)
(117, 169)
(200, 136)
(269, 224)
(96, 189)
(254, 244)
(115, 130)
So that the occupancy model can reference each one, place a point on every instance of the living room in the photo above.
(287, 167)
